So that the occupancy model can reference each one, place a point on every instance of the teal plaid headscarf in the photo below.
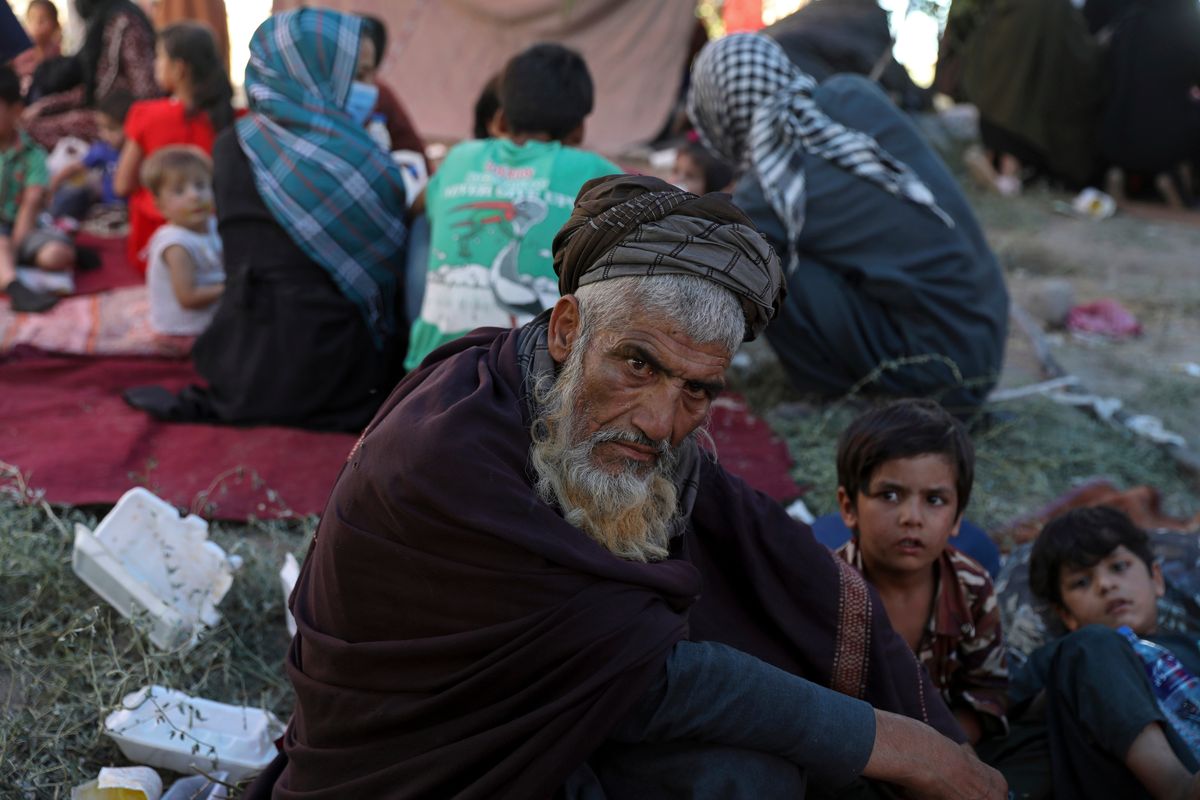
(335, 191)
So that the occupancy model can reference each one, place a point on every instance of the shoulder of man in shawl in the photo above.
(638, 225)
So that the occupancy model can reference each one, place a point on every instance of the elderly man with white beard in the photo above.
(533, 579)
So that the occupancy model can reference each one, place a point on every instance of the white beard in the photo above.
(631, 511)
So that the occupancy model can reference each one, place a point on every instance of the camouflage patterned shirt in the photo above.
(963, 644)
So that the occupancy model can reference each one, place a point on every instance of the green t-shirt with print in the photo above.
(494, 208)
(21, 166)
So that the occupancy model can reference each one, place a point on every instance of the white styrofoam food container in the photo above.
(166, 728)
(144, 558)
(121, 782)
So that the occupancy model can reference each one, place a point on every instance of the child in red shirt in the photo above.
(188, 68)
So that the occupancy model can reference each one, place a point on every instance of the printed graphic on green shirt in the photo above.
(494, 208)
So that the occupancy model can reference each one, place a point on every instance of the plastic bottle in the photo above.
(377, 127)
(1176, 689)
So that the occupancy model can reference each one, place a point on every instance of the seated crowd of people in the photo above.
(612, 613)
(1096, 93)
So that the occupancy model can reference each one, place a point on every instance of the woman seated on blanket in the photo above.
(306, 333)
(117, 54)
(891, 286)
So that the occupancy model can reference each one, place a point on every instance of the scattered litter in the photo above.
(172, 730)
(1106, 317)
(200, 787)
(1102, 407)
(1045, 387)
(1050, 300)
(1152, 428)
(144, 559)
(288, 574)
(121, 783)
(799, 512)
(1189, 368)
(1094, 204)
(1107, 408)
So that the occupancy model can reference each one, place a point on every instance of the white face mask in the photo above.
(361, 101)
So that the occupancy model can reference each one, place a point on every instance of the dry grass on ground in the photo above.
(67, 659)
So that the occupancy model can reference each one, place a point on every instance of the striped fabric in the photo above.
(336, 192)
(754, 107)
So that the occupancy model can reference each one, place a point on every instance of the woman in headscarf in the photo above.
(117, 54)
(311, 215)
(891, 286)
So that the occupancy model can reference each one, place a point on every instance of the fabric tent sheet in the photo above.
(64, 425)
(441, 53)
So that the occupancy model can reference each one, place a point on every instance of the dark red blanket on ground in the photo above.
(114, 271)
(64, 425)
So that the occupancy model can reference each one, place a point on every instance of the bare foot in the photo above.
(979, 166)
(1114, 184)
(1168, 191)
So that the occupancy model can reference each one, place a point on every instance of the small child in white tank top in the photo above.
(185, 276)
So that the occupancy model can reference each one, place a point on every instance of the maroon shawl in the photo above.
(457, 638)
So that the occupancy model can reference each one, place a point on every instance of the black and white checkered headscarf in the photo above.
(754, 107)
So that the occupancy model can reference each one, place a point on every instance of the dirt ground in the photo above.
(1152, 267)
(1148, 259)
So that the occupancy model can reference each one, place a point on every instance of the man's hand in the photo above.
(930, 766)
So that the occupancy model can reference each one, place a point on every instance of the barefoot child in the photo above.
(1086, 694)
(904, 478)
(185, 275)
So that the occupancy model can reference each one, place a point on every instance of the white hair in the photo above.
(631, 513)
(706, 312)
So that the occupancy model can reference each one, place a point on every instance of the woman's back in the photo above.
(286, 346)
(118, 55)
(878, 277)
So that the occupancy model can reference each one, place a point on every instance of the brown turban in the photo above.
(636, 225)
